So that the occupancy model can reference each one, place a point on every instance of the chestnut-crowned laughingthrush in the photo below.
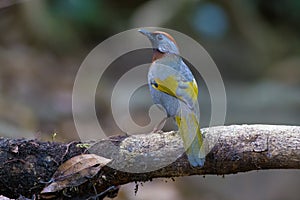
(173, 86)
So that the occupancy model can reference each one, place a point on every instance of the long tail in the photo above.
(189, 128)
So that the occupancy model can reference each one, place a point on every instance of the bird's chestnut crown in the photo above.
(161, 41)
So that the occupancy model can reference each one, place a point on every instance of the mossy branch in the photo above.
(25, 165)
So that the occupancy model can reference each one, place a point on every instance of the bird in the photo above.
(174, 88)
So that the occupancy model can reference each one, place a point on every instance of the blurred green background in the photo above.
(255, 44)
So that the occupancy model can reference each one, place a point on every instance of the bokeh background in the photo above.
(255, 44)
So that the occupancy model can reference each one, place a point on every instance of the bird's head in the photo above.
(161, 41)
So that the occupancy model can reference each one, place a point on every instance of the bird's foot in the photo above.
(159, 126)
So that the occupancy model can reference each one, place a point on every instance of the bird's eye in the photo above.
(159, 37)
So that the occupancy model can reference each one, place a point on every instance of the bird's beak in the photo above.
(146, 33)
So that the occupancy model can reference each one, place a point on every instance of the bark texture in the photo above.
(25, 165)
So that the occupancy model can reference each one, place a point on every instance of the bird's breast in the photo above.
(157, 55)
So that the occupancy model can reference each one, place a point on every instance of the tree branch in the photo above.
(25, 164)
